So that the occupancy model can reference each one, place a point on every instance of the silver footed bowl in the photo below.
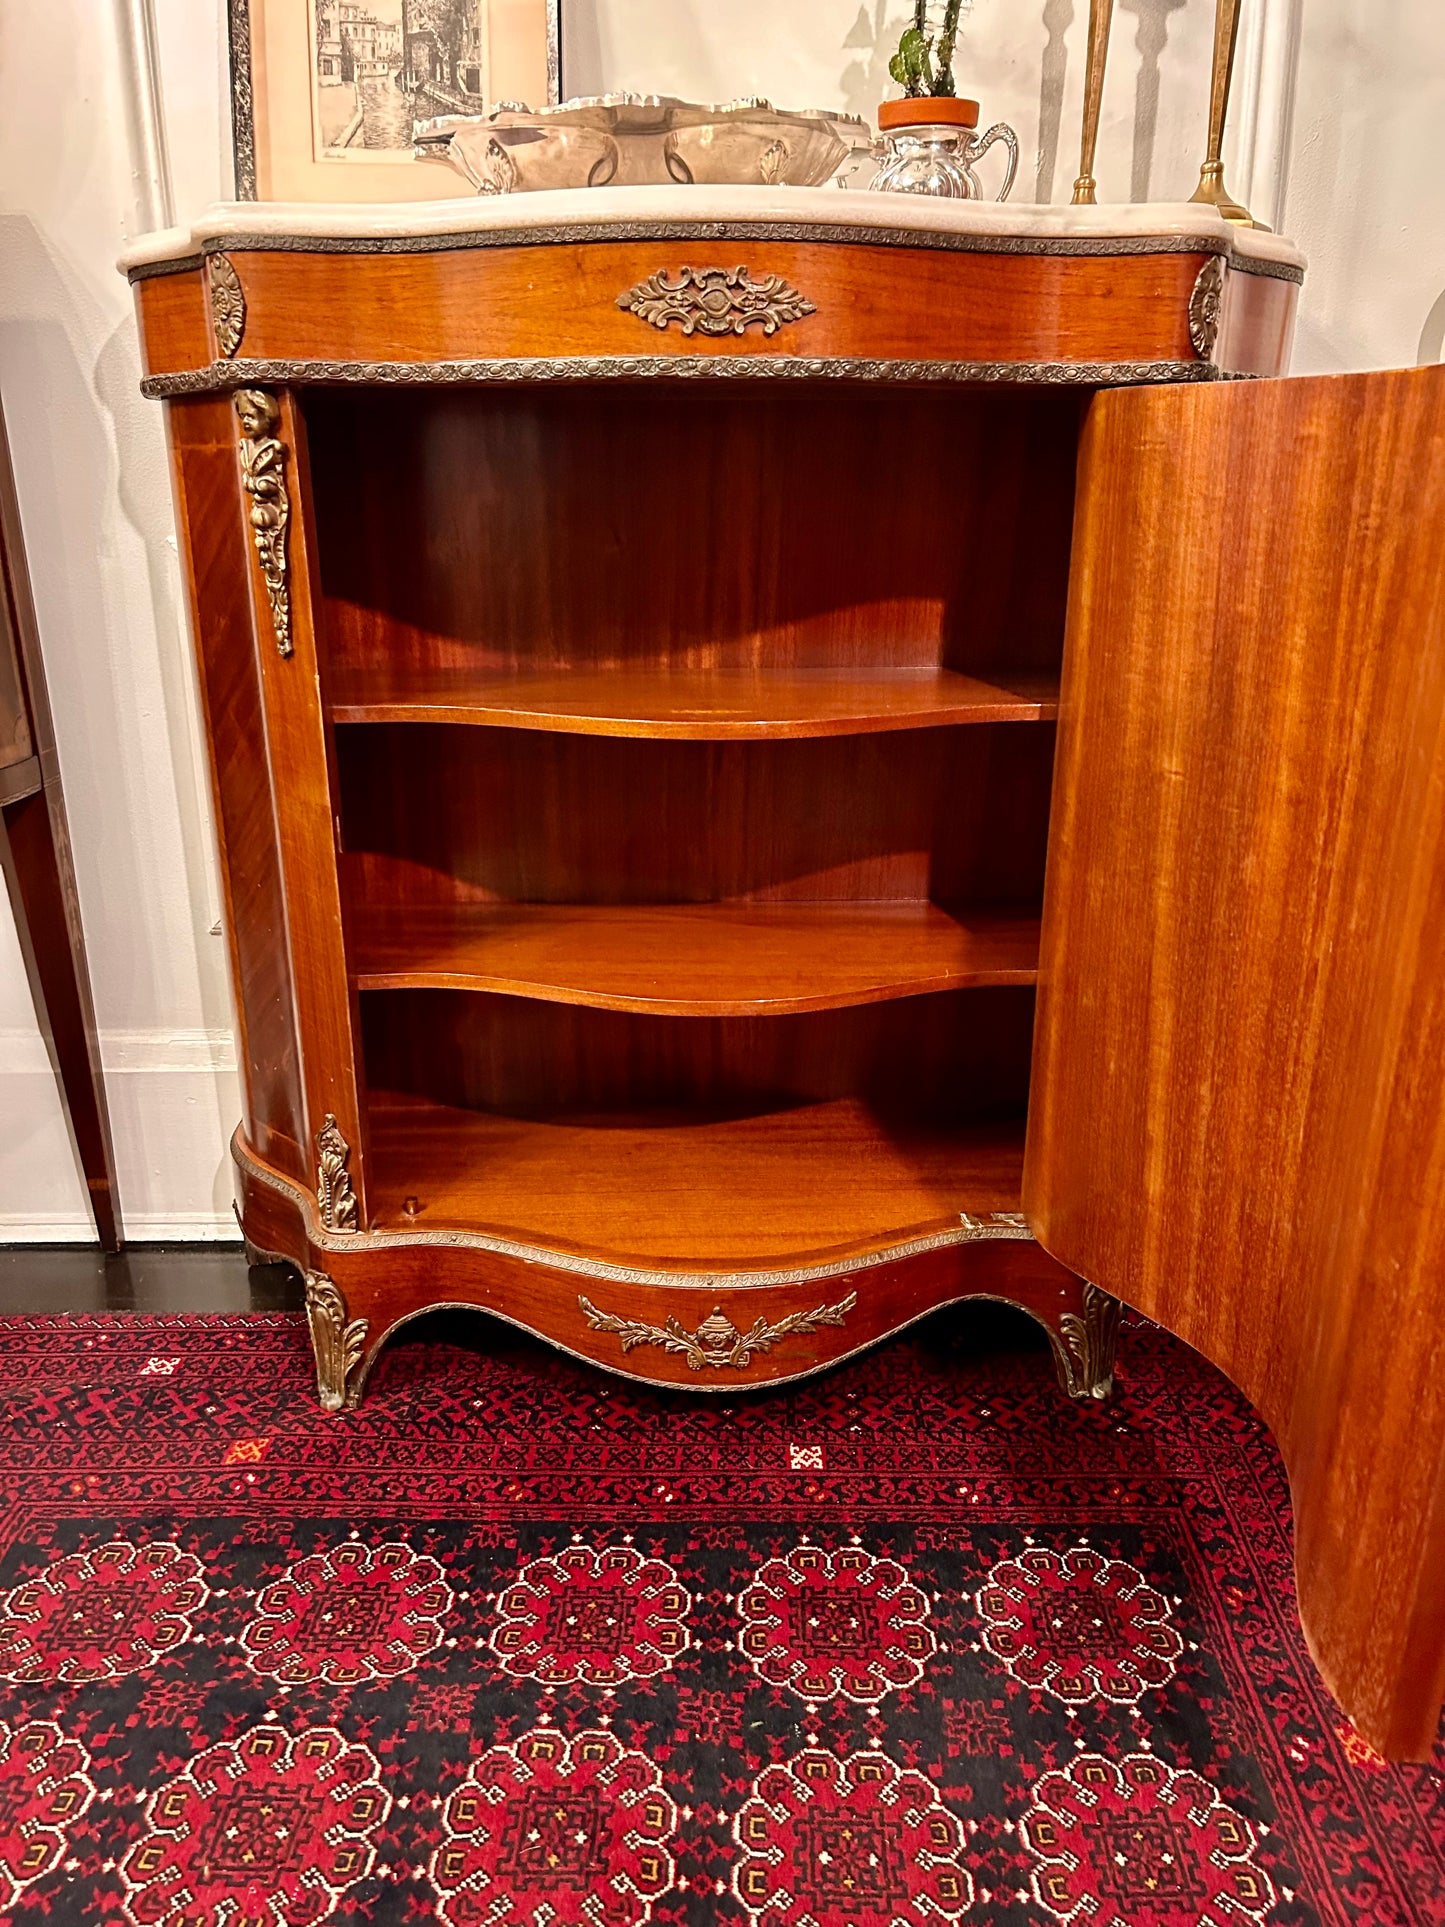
(642, 140)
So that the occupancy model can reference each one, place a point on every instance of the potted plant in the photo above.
(929, 146)
(923, 64)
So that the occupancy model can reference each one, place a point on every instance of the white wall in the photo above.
(91, 472)
(1339, 109)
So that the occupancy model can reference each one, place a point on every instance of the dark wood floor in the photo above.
(151, 1278)
(36, 1279)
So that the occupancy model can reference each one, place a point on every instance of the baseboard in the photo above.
(76, 1228)
(174, 1100)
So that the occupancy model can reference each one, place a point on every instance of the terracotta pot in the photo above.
(927, 111)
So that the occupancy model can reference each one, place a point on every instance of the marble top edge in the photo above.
(617, 206)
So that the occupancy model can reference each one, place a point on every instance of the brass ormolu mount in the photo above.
(263, 477)
(337, 1340)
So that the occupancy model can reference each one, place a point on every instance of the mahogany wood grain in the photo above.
(19, 778)
(298, 744)
(215, 543)
(870, 301)
(703, 705)
(1256, 324)
(662, 1188)
(174, 315)
(390, 1278)
(432, 813)
(943, 1058)
(717, 960)
(640, 530)
(1238, 1118)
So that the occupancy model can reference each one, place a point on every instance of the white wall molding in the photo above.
(141, 84)
(174, 1100)
(1262, 108)
(22, 1051)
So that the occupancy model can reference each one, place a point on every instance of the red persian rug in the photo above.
(916, 1643)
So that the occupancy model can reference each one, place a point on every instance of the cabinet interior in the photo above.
(693, 748)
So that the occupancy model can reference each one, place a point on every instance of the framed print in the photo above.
(324, 92)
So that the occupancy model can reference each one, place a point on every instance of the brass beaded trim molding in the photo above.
(580, 233)
(219, 377)
(969, 1230)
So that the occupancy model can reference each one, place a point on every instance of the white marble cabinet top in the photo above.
(686, 208)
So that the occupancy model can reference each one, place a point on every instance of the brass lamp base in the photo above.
(1085, 191)
(1213, 193)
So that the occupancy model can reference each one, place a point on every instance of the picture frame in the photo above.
(323, 92)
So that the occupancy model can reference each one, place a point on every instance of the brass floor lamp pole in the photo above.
(1101, 14)
(1211, 189)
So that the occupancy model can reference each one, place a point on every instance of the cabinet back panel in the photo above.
(627, 526)
(958, 1057)
(436, 812)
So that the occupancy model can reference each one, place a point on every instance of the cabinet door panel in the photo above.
(1238, 1111)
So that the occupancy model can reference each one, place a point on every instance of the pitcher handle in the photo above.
(1000, 131)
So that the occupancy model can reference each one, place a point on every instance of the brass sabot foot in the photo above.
(1212, 192)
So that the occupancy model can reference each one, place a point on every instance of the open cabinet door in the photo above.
(1238, 1114)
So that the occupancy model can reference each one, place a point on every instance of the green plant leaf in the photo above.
(913, 56)
(947, 41)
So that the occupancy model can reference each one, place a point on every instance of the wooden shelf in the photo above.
(706, 960)
(698, 704)
(778, 1188)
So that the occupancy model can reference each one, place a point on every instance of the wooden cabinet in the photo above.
(633, 648)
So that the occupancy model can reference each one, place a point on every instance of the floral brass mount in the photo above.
(1087, 1344)
(334, 1195)
(228, 303)
(716, 301)
(337, 1341)
(1205, 306)
(717, 1343)
(263, 477)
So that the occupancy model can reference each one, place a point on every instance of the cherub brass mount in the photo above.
(263, 477)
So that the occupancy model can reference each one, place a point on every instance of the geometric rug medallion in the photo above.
(518, 1645)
